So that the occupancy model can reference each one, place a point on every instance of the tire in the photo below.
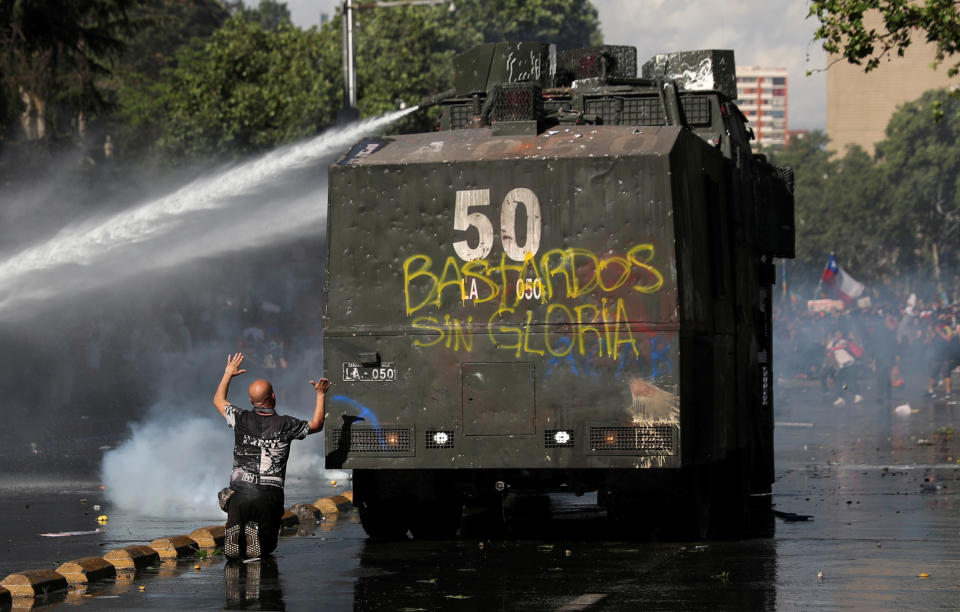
(383, 501)
(436, 521)
(699, 511)
(731, 496)
(383, 523)
(437, 506)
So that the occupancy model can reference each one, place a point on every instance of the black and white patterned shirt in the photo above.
(262, 445)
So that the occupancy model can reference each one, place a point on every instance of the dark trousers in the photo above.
(264, 506)
(849, 376)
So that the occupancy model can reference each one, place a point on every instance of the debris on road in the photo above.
(64, 534)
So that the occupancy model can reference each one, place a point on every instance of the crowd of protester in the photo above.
(881, 347)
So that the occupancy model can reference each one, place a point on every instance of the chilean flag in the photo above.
(847, 288)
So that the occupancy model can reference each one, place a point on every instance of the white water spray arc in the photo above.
(176, 228)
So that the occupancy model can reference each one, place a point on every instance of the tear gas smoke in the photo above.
(169, 469)
(176, 228)
(173, 464)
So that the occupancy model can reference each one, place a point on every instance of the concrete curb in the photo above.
(33, 583)
(175, 547)
(86, 570)
(209, 538)
(132, 557)
(331, 507)
(123, 563)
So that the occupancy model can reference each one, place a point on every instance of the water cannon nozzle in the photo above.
(437, 99)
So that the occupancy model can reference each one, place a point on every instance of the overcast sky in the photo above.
(768, 33)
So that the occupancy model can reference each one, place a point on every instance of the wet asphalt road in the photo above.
(883, 492)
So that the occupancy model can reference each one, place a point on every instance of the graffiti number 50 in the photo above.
(464, 219)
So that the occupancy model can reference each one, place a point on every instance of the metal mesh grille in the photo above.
(445, 440)
(551, 440)
(627, 111)
(607, 109)
(459, 116)
(642, 111)
(697, 110)
(517, 102)
(655, 438)
(387, 440)
(641, 440)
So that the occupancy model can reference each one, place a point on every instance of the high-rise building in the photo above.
(762, 96)
(860, 104)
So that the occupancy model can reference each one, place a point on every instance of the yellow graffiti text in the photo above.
(605, 331)
(561, 274)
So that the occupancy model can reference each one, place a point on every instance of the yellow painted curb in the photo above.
(209, 538)
(327, 508)
(132, 557)
(121, 563)
(175, 547)
(31, 583)
(86, 570)
(344, 503)
(333, 506)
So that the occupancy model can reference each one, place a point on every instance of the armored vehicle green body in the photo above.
(567, 286)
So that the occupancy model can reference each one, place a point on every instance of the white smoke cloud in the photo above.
(169, 469)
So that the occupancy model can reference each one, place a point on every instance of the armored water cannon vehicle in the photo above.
(565, 287)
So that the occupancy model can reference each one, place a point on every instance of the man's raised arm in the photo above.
(232, 369)
(319, 410)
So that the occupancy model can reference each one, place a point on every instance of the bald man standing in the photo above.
(260, 451)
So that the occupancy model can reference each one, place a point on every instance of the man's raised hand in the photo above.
(233, 365)
(321, 385)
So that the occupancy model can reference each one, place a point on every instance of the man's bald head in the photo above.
(261, 393)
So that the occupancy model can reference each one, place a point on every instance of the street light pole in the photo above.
(349, 112)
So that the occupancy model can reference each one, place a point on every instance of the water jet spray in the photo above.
(174, 229)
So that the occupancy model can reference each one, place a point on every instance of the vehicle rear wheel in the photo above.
(383, 523)
(437, 507)
(731, 495)
(697, 504)
(436, 521)
(383, 503)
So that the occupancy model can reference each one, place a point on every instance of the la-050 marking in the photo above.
(357, 372)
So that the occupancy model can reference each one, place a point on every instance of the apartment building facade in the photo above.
(762, 96)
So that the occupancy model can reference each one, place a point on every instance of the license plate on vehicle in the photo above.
(357, 372)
